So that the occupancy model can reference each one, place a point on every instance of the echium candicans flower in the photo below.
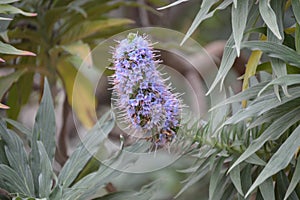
(147, 102)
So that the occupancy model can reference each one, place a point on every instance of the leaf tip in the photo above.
(2, 106)
(28, 53)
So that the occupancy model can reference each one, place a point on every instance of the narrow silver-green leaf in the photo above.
(254, 159)
(172, 4)
(280, 159)
(282, 183)
(8, 1)
(269, 17)
(262, 105)
(200, 173)
(45, 177)
(216, 178)
(13, 180)
(88, 185)
(5, 18)
(267, 189)
(45, 127)
(81, 155)
(286, 80)
(8, 49)
(201, 15)
(20, 127)
(235, 177)
(275, 130)
(296, 8)
(8, 9)
(275, 50)
(295, 180)
(204, 14)
(278, 66)
(244, 95)
(274, 113)
(44, 130)
(16, 156)
(228, 58)
(239, 15)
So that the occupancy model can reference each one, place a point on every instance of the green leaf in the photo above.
(88, 28)
(249, 93)
(280, 159)
(204, 14)
(246, 176)
(17, 157)
(8, 9)
(274, 131)
(81, 155)
(296, 8)
(172, 4)
(286, 80)
(297, 38)
(278, 66)
(8, 49)
(28, 34)
(275, 50)
(295, 180)
(7, 81)
(254, 159)
(267, 189)
(282, 182)
(20, 127)
(45, 177)
(3, 158)
(239, 14)
(8, 1)
(261, 105)
(235, 177)
(44, 130)
(5, 18)
(88, 186)
(84, 92)
(56, 193)
(19, 94)
(3, 106)
(229, 192)
(228, 58)
(14, 183)
(44, 127)
(81, 50)
(203, 169)
(274, 113)
(215, 179)
(269, 17)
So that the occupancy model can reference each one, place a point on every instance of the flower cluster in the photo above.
(148, 104)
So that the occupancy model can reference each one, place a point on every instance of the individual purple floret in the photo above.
(143, 97)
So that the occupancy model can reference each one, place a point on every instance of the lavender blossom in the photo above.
(148, 104)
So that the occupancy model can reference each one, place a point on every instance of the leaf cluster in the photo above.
(254, 152)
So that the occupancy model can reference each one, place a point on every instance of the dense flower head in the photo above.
(147, 102)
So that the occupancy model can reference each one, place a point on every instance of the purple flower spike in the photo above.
(148, 104)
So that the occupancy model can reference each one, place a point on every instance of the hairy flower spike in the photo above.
(147, 103)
